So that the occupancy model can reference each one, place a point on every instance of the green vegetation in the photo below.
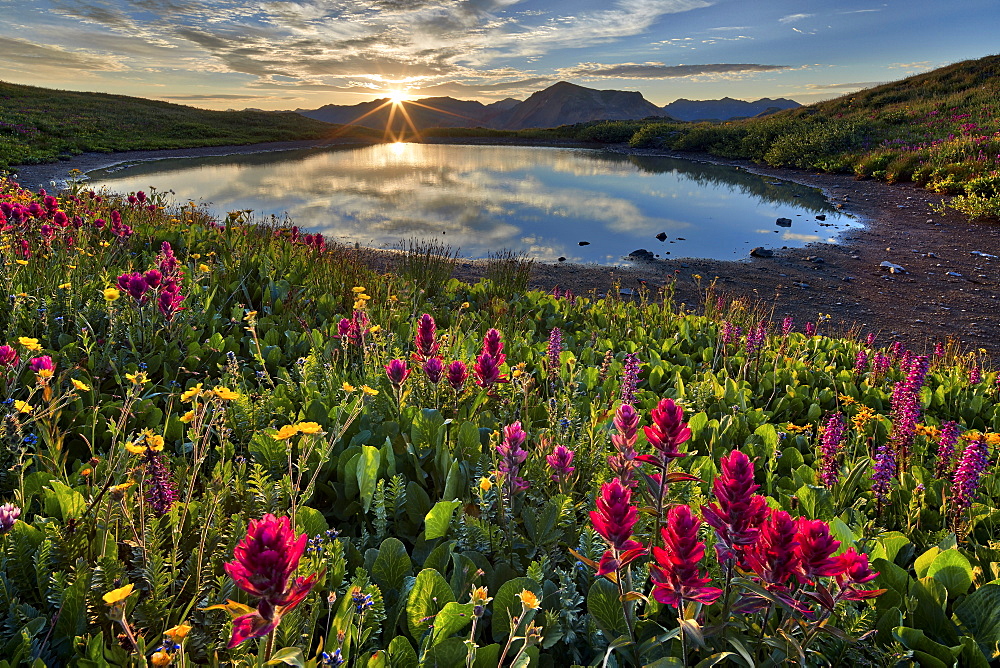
(181, 399)
(44, 125)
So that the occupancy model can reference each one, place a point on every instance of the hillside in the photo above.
(431, 112)
(41, 125)
(565, 103)
(938, 129)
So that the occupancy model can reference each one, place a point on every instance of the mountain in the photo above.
(428, 112)
(725, 109)
(565, 103)
(560, 104)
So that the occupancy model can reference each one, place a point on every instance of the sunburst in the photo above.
(397, 100)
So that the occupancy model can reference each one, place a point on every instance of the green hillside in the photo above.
(43, 125)
(938, 129)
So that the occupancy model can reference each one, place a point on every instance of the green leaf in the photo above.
(487, 657)
(923, 562)
(368, 474)
(453, 618)
(843, 532)
(953, 570)
(606, 609)
(439, 517)
(391, 566)
(888, 545)
(71, 503)
(402, 654)
(429, 595)
(979, 612)
(291, 656)
(311, 521)
(451, 652)
(506, 604)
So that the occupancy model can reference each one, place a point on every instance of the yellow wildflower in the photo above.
(23, 406)
(111, 294)
(347, 387)
(528, 599)
(485, 485)
(203, 267)
(309, 428)
(369, 391)
(178, 633)
(29, 343)
(187, 417)
(116, 596)
(83, 387)
(21, 261)
(153, 441)
(119, 490)
(357, 290)
(196, 256)
(160, 658)
(393, 298)
(286, 432)
(375, 329)
(846, 400)
(465, 305)
(65, 286)
(225, 393)
(191, 393)
(138, 378)
(364, 297)
(359, 304)
(863, 417)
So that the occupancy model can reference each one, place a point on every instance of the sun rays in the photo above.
(396, 101)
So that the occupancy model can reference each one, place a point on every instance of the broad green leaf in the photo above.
(391, 566)
(290, 656)
(450, 652)
(429, 595)
(606, 609)
(953, 570)
(453, 618)
(923, 562)
(487, 657)
(402, 654)
(368, 474)
(311, 521)
(888, 545)
(439, 517)
(979, 612)
(70, 502)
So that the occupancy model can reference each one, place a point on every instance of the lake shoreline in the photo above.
(948, 289)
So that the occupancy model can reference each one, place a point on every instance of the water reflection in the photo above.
(543, 201)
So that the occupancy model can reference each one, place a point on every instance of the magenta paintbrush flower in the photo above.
(433, 370)
(512, 455)
(830, 446)
(737, 513)
(458, 373)
(667, 432)
(487, 370)
(397, 372)
(493, 346)
(43, 366)
(774, 556)
(622, 462)
(424, 340)
(854, 570)
(264, 563)
(614, 520)
(560, 462)
(8, 356)
(815, 550)
(8, 516)
(676, 575)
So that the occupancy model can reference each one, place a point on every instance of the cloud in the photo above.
(792, 18)
(221, 96)
(728, 28)
(835, 86)
(662, 71)
(27, 53)
(919, 65)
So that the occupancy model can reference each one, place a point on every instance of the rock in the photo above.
(760, 251)
(661, 236)
(815, 259)
(804, 286)
(561, 258)
(641, 254)
(583, 243)
(893, 268)
(681, 239)
(954, 273)
(627, 292)
(982, 254)
(821, 217)
(783, 222)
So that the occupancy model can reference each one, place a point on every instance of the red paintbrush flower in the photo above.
(397, 372)
(854, 570)
(774, 556)
(424, 340)
(677, 577)
(667, 432)
(815, 550)
(264, 562)
(737, 513)
(613, 520)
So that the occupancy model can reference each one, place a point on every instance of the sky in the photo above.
(288, 54)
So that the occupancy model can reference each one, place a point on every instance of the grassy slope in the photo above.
(40, 125)
(938, 129)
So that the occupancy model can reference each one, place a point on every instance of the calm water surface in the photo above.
(543, 201)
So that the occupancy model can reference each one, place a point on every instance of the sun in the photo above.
(398, 96)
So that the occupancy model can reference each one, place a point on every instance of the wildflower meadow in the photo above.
(229, 442)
